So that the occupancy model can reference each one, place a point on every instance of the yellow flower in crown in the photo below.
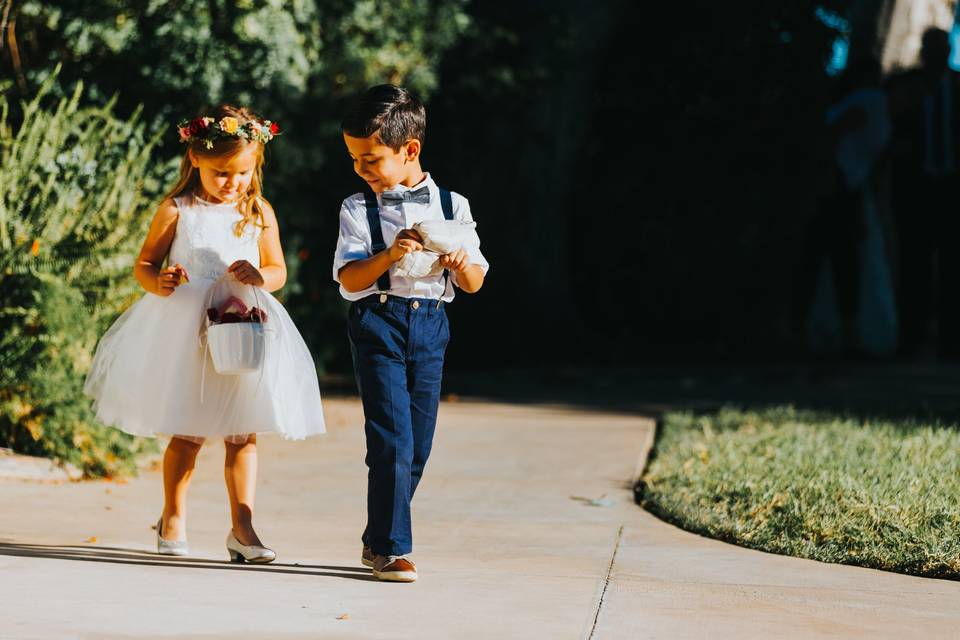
(229, 124)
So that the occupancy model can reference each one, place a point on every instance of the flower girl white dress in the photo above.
(148, 369)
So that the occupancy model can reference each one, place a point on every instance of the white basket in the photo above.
(237, 347)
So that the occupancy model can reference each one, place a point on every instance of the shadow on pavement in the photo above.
(117, 555)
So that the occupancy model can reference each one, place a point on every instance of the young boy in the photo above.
(397, 326)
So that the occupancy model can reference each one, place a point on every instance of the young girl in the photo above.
(150, 376)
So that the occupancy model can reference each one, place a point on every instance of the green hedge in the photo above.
(77, 189)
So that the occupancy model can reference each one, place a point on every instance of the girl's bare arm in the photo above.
(273, 268)
(147, 269)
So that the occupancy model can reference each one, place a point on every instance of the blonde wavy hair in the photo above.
(250, 203)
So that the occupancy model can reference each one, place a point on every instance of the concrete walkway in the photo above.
(508, 543)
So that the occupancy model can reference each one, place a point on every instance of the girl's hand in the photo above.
(456, 261)
(246, 273)
(407, 241)
(170, 278)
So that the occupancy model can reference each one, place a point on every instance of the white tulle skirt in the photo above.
(151, 376)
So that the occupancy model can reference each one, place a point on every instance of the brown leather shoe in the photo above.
(394, 569)
(367, 556)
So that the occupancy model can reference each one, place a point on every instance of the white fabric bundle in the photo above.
(440, 237)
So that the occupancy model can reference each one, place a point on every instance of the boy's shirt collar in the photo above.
(426, 182)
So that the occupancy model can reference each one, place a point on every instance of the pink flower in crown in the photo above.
(184, 133)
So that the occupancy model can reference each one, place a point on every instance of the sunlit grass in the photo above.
(878, 494)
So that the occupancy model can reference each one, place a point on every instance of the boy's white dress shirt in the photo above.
(355, 243)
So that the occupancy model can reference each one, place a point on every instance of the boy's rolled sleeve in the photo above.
(461, 211)
(353, 242)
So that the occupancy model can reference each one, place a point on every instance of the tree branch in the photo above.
(7, 6)
(15, 54)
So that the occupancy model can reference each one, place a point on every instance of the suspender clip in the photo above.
(383, 298)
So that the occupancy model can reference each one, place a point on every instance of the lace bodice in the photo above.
(205, 242)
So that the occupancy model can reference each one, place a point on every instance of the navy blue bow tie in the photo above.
(418, 196)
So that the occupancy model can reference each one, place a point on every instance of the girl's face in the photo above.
(226, 178)
(378, 165)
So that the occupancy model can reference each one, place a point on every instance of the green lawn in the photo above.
(877, 494)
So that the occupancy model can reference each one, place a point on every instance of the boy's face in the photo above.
(225, 179)
(378, 165)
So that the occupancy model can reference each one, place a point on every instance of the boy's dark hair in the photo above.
(393, 111)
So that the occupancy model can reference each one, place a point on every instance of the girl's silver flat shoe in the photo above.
(170, 547)
(242, 553)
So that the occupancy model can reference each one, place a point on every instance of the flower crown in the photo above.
(208, 130)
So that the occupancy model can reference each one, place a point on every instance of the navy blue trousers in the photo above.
(398, 348)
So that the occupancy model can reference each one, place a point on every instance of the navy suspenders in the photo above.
(446, 203)
(376, 231)
(376, 236)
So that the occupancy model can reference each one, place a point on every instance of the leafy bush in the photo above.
(77, 190)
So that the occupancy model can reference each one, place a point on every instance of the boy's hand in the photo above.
(456, 261)
(170, 278)
(246, 273)
(407, 241)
